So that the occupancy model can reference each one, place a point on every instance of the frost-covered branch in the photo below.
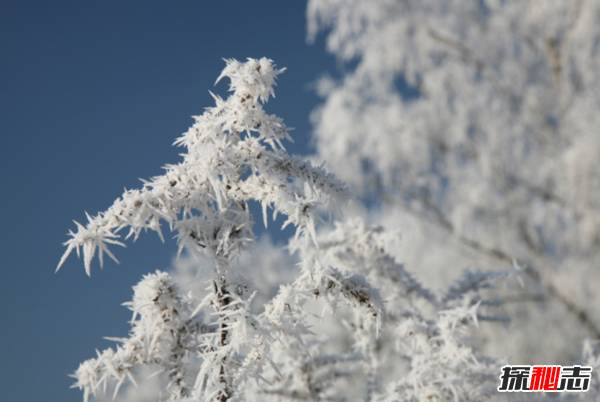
(234, 155)
(164, 334)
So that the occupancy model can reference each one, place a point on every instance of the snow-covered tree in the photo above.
(349, 323)
(475, 126)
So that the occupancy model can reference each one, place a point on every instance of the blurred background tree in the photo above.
(473, 126)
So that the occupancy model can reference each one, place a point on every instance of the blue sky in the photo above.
(93, 94)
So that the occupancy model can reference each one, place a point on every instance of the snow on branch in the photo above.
(164, 333)
(234, 155)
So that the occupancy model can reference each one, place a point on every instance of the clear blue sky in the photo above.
(92, 96)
